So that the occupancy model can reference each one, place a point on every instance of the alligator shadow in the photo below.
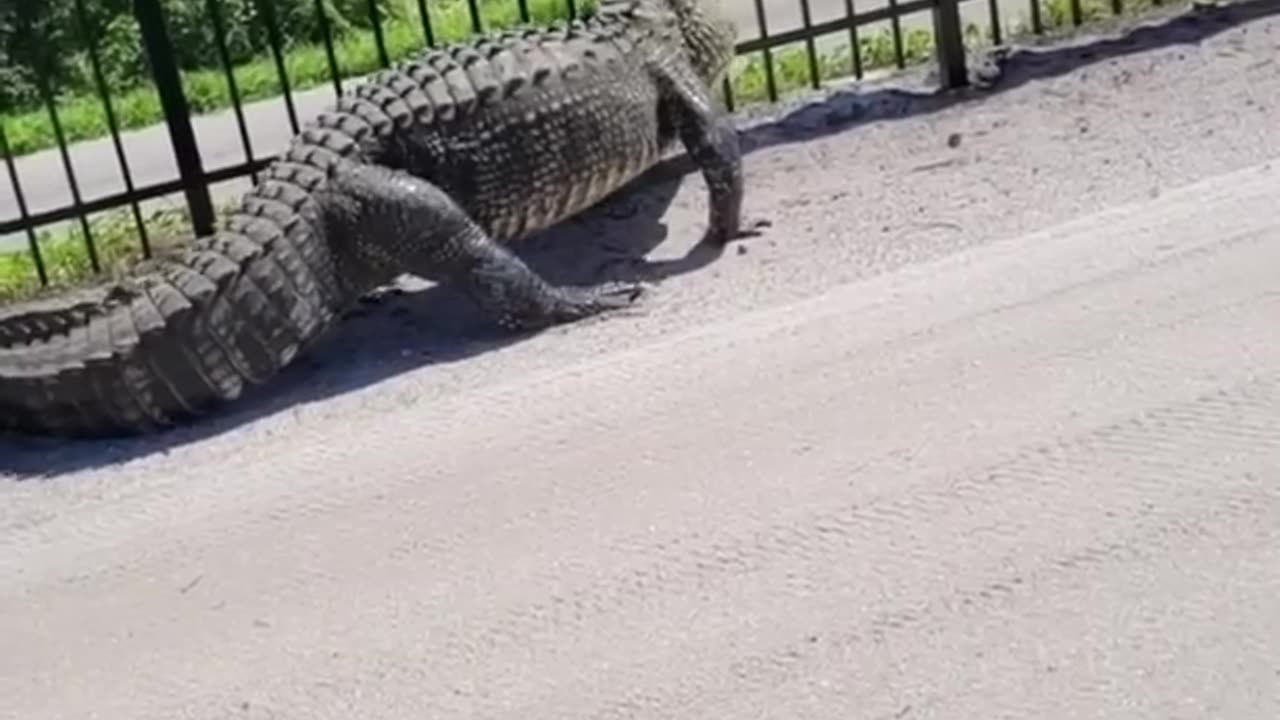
(404, 327)
(403, 330)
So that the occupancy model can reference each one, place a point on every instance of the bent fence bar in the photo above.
(194, 180)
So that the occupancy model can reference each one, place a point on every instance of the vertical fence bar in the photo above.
(326, 34)
(164, 71)
(474, 10)
(994, 7)
(523, 6)
(949, 37)
(572, 6)
(39, 60)
(108, 108)
(855, 45)
(895, 22)
(220, 42)
(33, 243)
(770, 81)
(811, 49)
(1117, 7)
(726, 90)
(378, 39)
(1037, 23)
(428, 34)
(1077, 13)
(267, 10)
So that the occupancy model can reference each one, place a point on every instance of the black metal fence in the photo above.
(194, 180)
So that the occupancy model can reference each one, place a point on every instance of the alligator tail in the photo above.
(176, 338)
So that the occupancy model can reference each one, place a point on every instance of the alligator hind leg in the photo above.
(510, 291)
(403, 224)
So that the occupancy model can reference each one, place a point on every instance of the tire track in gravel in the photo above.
(1238, 510)
(1163, 505)
(919, 363)
(705, 562)
(1012, 274)
(1162, 496)
(1160, 501)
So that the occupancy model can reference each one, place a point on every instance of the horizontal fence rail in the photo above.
(204, 55)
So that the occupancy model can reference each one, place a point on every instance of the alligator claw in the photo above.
(578, 302)
(571, 303)
(720, 236)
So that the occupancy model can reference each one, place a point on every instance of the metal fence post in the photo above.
(177, 115)
(948, 37)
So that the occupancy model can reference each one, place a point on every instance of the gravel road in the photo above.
(987, 425)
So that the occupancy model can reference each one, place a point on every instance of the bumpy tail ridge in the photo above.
(172, 341)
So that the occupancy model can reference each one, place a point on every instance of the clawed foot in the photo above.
(719, 236)
(579, 302)
(569, 304)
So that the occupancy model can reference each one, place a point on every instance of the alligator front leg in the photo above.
(711, 140)
(399, 223)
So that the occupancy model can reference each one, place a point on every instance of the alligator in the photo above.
(432, 168)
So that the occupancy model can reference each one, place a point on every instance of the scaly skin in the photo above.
(430, 169)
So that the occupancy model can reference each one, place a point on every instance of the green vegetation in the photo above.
(115, 237)
(115, 232)
(135, 102)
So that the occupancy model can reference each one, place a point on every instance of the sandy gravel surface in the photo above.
(986, 425)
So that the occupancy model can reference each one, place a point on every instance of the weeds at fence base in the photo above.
(66, 261)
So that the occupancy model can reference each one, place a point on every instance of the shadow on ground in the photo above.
(401, 331)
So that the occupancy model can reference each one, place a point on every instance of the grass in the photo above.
(66, 259)
(115, 232)
(792, 71)
(82, 116)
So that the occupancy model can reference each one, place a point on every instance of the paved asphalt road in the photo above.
(987, 429)
(151, 159)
